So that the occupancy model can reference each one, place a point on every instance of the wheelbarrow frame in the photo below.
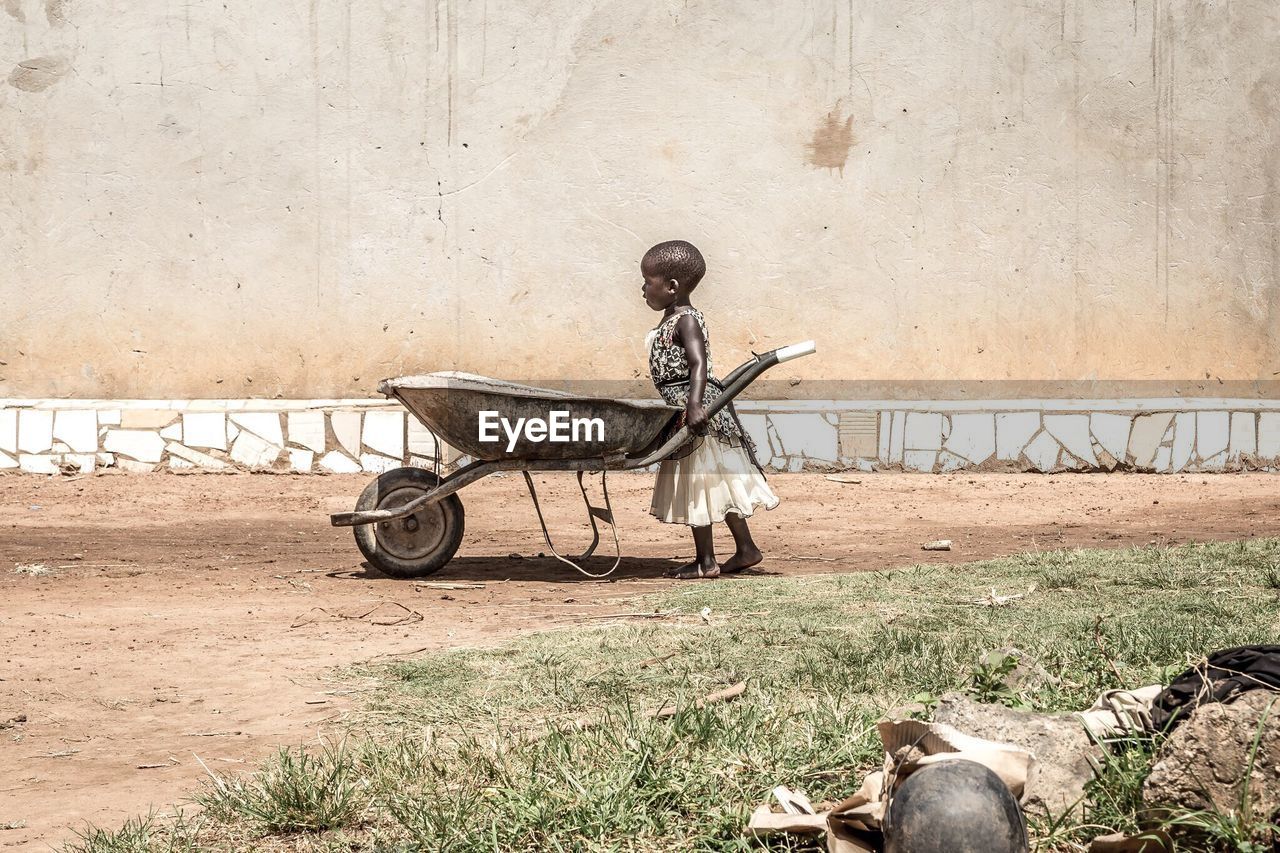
(658, 450)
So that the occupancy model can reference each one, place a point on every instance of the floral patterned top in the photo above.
(669, 370)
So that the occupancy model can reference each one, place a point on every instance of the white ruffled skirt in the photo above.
(715, 479)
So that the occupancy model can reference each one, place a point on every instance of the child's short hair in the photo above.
(679, 260)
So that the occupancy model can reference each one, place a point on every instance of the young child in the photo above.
(717, 478)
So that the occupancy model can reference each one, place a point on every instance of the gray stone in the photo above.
(140, 444)
(1184, 439)
(265, 425)
(924, 431)
(204, 429)
(1145, 437)
(948, 462)
(886, 422)
(897, 433)
(972, 436)
(306, 429)
(919, 460)
(35, 430)
(1244, 435)
(806, 434)
(9, 430)
(1013, 431)
(1268, 434)
(346, 428)
(1072, 432)
(1163, 463)
(1213, 433)
(1042, 452)
(1111, 431)
(78, 428)
(1061, 746)
(1204, 762)
(338, 463)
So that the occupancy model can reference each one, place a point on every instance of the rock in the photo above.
(1203, 763)
(1060, 744)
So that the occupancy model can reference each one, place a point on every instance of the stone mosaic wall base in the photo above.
(349, 436)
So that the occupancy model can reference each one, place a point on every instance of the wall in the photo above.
(956, 199)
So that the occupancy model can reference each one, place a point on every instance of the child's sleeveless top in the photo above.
(669, 370)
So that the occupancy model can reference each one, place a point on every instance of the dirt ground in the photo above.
(200, 617)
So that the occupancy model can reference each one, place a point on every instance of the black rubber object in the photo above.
(419, 544)
(954, 807)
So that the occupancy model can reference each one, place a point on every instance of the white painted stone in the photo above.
(108, 417)
(897, 435)
(1111, 431)
(60, 447)
(1163, 463)
(1072, 432)
(346, 428)
(376, 464)
(254, 452)
(1145, 437)
(1215, 463)
(140, 444)
(78, 428)
(336, 462)
(7, 462)
(865, 465)
(106, 459)
(173, 432)
(886, 419)
(920, 460)
(1269, 435)
(1013, 431)
(177, 463)
(42, 463)
(948, 461)
(232, 432)
(755, 426)
(973, 436)
(1042, 452)
(1244, 435)
(35, 430)
(1213, 433)
(195, 457)
(384, 432)
(9, 430)
(924, 431)
(300, 460)
(133, 466)
(265, 425)
(83, 461)
(808, 435)
(204, 429)
(306, 429)
(795, 464)
(1184, 440)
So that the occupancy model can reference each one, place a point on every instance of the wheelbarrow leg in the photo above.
(604, 513)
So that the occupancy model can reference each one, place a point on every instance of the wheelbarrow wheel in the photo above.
(418, 544)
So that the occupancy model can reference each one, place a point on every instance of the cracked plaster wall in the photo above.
(257, 199)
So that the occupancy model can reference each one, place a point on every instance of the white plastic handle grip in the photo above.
(796, 350)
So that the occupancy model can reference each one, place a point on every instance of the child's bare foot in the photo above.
(744, 558)
(696, 570)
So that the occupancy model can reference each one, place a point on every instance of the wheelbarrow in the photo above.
(409, 521)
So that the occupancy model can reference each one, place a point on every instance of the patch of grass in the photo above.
(297, 791)
(147, 834)
(475, 750)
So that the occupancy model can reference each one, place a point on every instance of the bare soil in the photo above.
(204, 615)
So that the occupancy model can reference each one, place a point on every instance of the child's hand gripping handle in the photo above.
(734, 383)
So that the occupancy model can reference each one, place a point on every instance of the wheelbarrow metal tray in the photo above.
(450, 403)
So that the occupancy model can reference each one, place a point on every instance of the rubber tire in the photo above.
(446, 513)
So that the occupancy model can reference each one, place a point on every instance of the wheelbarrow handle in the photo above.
(741, 376)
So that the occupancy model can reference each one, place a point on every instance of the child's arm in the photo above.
(695, 350)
